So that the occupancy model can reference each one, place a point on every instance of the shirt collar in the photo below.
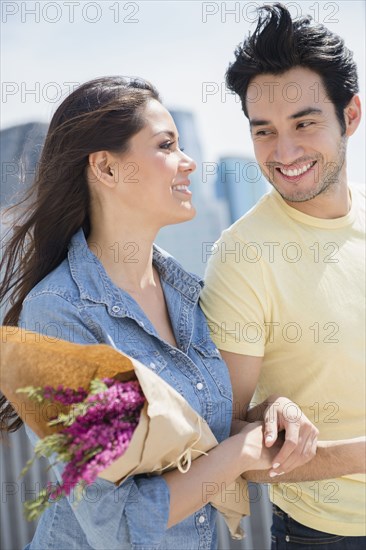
(95, 285)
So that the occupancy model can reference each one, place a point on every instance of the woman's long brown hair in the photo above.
(102, 114)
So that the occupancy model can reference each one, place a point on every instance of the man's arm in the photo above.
(244, 374)
(333, 459)
(300, 435)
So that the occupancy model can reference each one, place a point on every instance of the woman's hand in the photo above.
(301, 436)
(260, 457)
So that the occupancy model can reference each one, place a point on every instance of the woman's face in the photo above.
(153, 175)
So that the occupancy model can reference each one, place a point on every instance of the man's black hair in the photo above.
(279, 44)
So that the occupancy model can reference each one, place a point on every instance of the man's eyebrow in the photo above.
(304, 112)
(258, 122)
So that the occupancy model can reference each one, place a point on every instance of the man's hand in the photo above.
(301, 436)
(278, 413)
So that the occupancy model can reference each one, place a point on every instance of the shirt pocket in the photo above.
(215, 365)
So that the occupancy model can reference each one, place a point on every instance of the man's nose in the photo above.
(287, 150)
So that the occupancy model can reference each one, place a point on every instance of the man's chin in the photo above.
(298, 197)
(301, 195)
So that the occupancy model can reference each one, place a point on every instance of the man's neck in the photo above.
(333, 203)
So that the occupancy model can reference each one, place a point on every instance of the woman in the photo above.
(110, 176)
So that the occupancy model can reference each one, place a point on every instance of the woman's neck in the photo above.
(126, 255)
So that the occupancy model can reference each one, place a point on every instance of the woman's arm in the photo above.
(220, 468)
(145, 506)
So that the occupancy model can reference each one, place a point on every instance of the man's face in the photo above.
(296, 134)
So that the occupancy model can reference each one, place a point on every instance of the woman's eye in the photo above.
(167, 145)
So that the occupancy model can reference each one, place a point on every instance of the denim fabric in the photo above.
(288, 534)
(78, 302)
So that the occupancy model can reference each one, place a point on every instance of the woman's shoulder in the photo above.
(165, 260)
(54, 307)
(59, 282)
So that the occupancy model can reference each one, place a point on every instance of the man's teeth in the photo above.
(180, 187)
(296, 171)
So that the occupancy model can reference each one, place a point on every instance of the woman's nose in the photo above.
(188, 164)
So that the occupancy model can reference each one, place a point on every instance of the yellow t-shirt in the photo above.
(290, 287)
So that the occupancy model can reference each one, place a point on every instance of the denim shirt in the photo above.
(78, 302)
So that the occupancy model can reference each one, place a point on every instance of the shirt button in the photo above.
(199, 386)
(152, 365)
(141, 324)
(116, 309)
(201, 519)
(287, 538)
(172, 352)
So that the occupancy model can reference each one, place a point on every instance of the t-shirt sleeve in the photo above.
(234, 298)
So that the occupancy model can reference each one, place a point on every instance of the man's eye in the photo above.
(305, 124)
(263, 133)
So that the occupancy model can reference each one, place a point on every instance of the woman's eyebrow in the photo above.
(169, 132)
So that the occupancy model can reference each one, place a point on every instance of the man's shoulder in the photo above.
(259, 220)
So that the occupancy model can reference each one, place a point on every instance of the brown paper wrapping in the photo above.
(170, 432)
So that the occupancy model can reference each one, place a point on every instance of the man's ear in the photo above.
(352, 115)
(100, 170)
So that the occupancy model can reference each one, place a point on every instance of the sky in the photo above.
(182, 47)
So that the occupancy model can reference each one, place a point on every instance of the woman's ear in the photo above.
(100, 169)
(352, 114)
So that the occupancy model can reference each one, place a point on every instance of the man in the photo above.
(284, 290)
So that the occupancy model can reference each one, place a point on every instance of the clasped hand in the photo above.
(284, 439)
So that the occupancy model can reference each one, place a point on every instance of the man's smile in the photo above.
(296, 170)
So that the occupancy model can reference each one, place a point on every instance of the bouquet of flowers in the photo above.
(103, 414)
(93, 434)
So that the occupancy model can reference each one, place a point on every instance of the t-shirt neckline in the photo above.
(325, 223)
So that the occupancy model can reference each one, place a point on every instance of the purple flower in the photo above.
(66, 396)
(99, 434)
